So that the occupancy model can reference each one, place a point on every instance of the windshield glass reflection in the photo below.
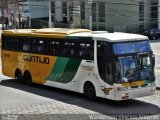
(128, 69)
(131, 47)
(133, 68)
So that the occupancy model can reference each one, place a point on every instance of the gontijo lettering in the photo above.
(36, 59)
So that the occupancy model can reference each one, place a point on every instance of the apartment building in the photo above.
(118, 15)
(3, 9)
(133, 16)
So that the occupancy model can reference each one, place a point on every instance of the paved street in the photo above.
(19, 99)
(155, 44)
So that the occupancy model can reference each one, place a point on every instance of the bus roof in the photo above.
(65, 32)
(50, 31)
(112, 37)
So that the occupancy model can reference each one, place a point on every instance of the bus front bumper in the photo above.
(134, 93)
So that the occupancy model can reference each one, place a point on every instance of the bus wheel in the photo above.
(89, 91)
(27, 78)
(19, 77)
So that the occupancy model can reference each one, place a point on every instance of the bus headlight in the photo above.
(122, 88)
(125, 96)
(153, 90)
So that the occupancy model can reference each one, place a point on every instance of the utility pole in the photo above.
(90, 13)
(2, 11)
(50, 14)
(14, 15)
(68, 13)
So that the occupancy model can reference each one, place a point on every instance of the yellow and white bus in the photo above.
(115, 66)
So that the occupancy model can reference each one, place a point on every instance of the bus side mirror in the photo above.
(153, 60)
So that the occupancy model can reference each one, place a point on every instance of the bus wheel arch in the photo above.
(19, 76)
(27, 78)
(89, 90)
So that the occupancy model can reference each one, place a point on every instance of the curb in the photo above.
(157, 88)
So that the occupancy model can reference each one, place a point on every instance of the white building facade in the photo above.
(122, 16)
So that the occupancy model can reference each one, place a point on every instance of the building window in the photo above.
(53, 7)
(94, 15)
(141, 10)
(101, 14)
(82, 11)
(141, 16)
(154, 13)
(64, 7)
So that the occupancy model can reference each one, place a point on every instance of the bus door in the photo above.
(105, 63)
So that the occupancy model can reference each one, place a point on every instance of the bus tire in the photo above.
(19, 76)
(89, 91)
(28, 78)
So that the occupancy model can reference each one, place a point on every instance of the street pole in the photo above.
(14, 15)
(90, 14)
(2, 11)
(68, 13)
(50, 14)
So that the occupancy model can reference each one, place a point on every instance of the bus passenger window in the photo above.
(82, 50)
(53, 49)
(69, 49)
(25, 44)
(13, 44)
(38, 46)
(57, 48)
(26, 47)
(72, 49)
(89, 51)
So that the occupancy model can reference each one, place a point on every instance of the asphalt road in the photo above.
(155, 44)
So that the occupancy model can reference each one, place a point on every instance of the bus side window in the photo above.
(72, 50)
(38, 46)
(82, 50)
(57, 47)
(13, 44)
(53, 47)
(86, 51)
(5, 43)
(26, 46)
(89, 51)
(68, 49)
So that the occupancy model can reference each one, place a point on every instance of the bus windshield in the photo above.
(128, 68)
(134, 61)
(131, 47)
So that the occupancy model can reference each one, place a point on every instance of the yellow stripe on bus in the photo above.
(137, 83)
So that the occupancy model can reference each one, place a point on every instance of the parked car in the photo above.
(152, 33)
(0, 26)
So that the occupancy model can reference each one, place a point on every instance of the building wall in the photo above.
(125, 15)
(58, 10)
(119, 15)
(38, 8)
